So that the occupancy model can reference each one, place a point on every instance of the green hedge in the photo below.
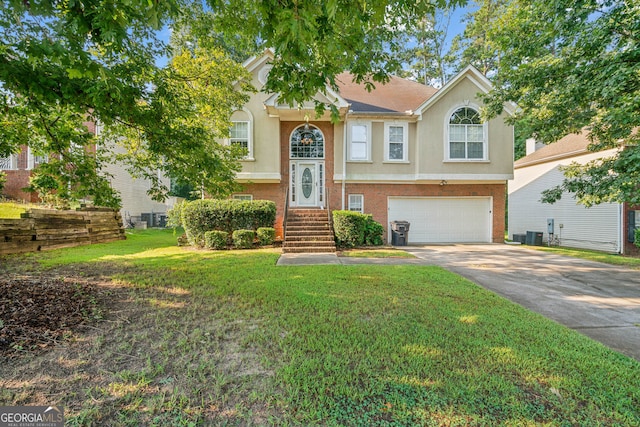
(373, 232)
(216, 239)
(637, 238)
(355, 229)
(243, 239)
(266, 236)
(200, 216)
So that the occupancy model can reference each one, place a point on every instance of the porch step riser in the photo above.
(293, 239)
(308, 231)
(308, 250)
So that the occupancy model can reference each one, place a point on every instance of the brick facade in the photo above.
(375, 195)
(18, 178)
(376, 198)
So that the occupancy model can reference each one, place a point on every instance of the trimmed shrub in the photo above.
(355, 229)
(637, 238)
(200, 216)
(373, 232)
(243, 239)
(216, 239)
(348, 227)
(174, 215)
(3, 180)
(266, 235)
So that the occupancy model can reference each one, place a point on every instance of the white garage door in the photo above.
(443, 219)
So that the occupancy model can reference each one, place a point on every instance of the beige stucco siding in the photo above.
(433, 137)
(265, 133)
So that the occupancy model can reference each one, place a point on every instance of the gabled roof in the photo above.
(568, 146)
(397, 96)
(474, 75)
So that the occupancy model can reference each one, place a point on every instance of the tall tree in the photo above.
(475, 45)
(61, 61)
(424, 54)
(573, 64)
(315, 40)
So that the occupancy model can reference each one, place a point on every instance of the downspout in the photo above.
(344, 158)
(621, 230)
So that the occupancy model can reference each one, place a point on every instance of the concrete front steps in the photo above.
(308, 231)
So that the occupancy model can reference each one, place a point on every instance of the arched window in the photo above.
(307, 142)
(466, 135)
(241, 132)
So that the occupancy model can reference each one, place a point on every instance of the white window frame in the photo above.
(248, 197)
(388, 142)
(13, 162)
(447, 137)
(249, 155)
(367, 142)
(353, 202)
(31, 162)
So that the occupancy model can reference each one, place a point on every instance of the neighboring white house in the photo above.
(603, 227)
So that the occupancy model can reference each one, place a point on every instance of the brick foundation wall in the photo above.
(376, 195)
(16, 181)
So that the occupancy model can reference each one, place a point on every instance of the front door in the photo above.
(307, 183)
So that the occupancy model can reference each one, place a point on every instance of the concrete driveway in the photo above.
(598, 300)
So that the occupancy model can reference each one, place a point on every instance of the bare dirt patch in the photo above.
(110, 351)
(37, 312)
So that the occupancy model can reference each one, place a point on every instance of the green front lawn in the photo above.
(228, 338)
(614, 259)
(13, 210)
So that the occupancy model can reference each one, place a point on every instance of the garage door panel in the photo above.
(444, 220)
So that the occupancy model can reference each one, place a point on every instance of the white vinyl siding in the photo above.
(595, 228)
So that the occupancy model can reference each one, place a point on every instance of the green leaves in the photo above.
(315, 40)
(569, 65)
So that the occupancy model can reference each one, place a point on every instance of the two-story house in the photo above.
(403, 151)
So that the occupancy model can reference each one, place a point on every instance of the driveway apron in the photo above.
(598, 300)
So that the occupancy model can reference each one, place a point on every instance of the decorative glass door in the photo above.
(307, 183)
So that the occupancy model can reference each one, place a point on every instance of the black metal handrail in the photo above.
(286, 214)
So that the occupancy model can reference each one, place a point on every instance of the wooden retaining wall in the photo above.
(45, 229)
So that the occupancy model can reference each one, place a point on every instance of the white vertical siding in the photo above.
(133, 192)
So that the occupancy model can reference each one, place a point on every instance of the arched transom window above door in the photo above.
(307, 142)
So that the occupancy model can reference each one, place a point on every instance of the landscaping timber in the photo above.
(45, 229)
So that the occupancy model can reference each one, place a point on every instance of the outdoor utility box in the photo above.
(550, 226)
(520, 238)
(399, 233)
(534, 238)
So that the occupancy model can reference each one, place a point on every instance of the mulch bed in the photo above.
(38, 312)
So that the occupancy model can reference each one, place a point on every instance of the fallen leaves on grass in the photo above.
(37, 312)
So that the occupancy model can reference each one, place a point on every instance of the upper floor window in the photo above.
(360, 141)
(396, 137)
(8, 163)
(241, 133)
(307, 142)
(466, 135)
